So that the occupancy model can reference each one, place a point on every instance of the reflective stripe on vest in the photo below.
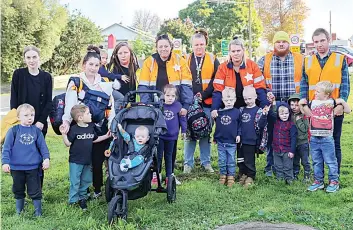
(332, 71)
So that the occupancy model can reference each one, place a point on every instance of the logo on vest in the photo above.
(226, 120)
(85, 136)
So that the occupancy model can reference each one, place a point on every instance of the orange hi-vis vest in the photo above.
(207, 70)
(332, 71)
(250, 74)
(298, 70)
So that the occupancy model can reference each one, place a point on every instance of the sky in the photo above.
(107, 12)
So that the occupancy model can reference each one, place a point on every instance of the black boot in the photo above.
(20, 203)
(37, 207)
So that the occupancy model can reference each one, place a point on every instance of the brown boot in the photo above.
(222, 179)
(242, 179)
(248, 182)
(230, 181)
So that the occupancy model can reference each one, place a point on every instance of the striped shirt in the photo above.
(344, 88)
(282, 74)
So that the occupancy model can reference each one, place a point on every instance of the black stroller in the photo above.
(136, 182)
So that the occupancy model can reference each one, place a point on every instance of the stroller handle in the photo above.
(158, 98)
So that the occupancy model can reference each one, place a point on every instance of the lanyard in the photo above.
(198, 69)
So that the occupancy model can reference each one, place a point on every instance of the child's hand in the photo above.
(290, 155)
(298, 118)
(237, 140)
(303, 102)
(107, 153)
(45, 164)
(265, 110)
(339, 101)
(6, 168)
(214, 114)
(183, 136)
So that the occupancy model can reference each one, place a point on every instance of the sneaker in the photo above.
(315, 186)
(83, 204)
(187, 169)
(333, 186)
(177, 181)
(208, 168)
(154, 179)
(242, 179)
(248, 182)
(96, 195)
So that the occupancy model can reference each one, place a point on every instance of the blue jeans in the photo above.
(337, 131)
(80, 180)
(302, 154)
(204, 145)
(226, 158)
(165, 148)
(323, 151)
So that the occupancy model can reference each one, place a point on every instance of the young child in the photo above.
(80, 139)
(134, 158)
(322, 144)
(302, 149)
(227, 135)
(173, 119)
(252, 116)
(24, 152)
(284, 142)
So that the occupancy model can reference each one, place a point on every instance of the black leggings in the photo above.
(97, 164)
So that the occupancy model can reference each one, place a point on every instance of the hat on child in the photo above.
(281, 36)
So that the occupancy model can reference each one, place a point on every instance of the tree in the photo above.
(29, 22)
(286, 15)
(177, 28)
(142, 47)
(223, 21)
(146, 21)
(80, 32)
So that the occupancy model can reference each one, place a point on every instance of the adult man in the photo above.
(282, 70)
(325, 65)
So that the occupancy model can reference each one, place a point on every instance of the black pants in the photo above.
(247, 166)
(29, 178)
(174, 154)
(97, 164)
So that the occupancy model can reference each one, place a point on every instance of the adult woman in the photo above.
(33, 86)
(237, 73)
(203, 66)
(166, 67)
(92, 81)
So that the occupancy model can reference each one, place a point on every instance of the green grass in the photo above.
(201, 202)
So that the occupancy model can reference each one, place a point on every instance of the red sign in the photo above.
(111, 41)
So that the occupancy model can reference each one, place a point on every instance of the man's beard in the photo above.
(281, 53)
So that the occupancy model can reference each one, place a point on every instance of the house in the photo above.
(124, 33)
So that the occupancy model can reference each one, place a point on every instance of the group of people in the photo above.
(264, 106)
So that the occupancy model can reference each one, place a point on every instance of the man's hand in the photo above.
(6, 168)
(45, 164)
(338, 110)
(40, 125)
(214, 114)
(237, 139)
(290, 155)
(183, 112)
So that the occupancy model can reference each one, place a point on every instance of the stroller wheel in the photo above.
(109, 192)
(115, 209)
(171, 189)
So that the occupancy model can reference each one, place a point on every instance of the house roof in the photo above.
(132, 29)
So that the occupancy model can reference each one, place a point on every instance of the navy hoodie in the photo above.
(174, 121)
(228, 126)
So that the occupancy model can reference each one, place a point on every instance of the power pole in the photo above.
(250, 35)
(330, 26)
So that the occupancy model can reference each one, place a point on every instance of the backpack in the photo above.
(97, 102)
(7, 123)
(199, 125)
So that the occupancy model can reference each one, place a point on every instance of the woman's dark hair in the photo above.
(164, 37)
(133, 64)
(200, 33)
(92, 51)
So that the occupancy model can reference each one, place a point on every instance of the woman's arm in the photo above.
(70, 100)
(49, 101)
(14, 90)
(218, 85)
